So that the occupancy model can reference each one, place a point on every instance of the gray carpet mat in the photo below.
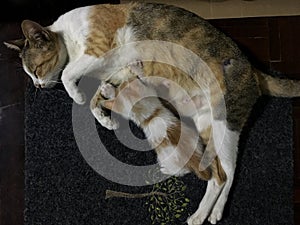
(61, 188)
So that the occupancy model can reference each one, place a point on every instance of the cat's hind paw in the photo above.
(215, 216)
(196, 220)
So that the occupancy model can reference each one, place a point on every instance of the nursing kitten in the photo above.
(178, 147)
(77, 42)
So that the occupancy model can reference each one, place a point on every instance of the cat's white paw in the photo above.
(79, 98)
(215, 216)
(217, 212)
(197, 218)
(105, 121)
(107, 90)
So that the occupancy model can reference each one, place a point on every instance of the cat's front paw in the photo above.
(79, 98)
(107, 90)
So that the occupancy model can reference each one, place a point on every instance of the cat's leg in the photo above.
(213, 189)
(73, 72)
(216, 195)
(224, 142)
(228, 156)
(105, 90)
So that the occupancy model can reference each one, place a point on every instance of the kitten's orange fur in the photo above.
(177, 136)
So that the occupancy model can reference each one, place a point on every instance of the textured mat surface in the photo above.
(61, 188)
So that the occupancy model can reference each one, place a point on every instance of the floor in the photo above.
(12, 144)
(220, 9)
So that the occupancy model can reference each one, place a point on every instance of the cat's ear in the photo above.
(34, 32)
(15, 44)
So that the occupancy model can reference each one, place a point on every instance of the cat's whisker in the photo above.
(61, 91)
(53, 81)
(18, 63)
(19, 69)
(35, 94)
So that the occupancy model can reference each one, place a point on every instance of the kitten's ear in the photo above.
(134, 88)
(197, 101)
(108, 104)
(34, 32)
(166, 83)
(15, 44)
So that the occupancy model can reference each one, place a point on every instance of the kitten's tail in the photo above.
(193, 165)
(278, 87)
(214, 170)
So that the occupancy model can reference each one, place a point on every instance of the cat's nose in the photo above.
(37, 85)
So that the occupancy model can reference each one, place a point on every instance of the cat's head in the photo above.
(42, 52)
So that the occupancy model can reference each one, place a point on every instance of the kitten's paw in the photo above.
(105, 121)
(109, 123)
(107, 90)
(136, 68)
(79, 98)
(164, 170)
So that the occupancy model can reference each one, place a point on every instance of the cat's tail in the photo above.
(279, 87)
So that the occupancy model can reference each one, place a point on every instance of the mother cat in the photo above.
(73, 42)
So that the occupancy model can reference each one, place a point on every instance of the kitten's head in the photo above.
(132, 96)
(42, 52)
